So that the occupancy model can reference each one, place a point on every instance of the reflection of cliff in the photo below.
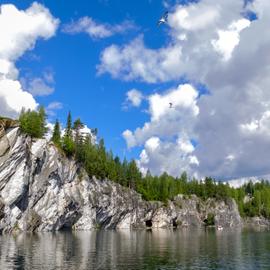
(42, 190)
(159, 249)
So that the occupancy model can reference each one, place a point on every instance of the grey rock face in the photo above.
(257, 223)
(42, 190)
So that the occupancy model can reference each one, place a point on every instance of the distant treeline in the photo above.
(252, 199)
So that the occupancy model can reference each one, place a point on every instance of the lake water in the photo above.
(156, 249)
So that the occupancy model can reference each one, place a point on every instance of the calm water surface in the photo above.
(156, 249)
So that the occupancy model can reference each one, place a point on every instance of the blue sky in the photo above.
(97, 100)
(109, 64)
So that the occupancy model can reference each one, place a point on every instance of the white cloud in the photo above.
(230, 38)
(162, 156)
(52, 107)
(185, 146)
(13, 98)
(55, 105)
(232, 126)
(192, 18)
(167, 136)
(19, 31)
(153, 143)
(136, 62)
(127, 134)
(97, 30)
(133, 98)
(39, 86)
(166, 122)
(192, 29)
(258, 126)
(184, 97)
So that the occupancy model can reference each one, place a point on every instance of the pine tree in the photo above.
(56, 136)
(68, 131)
(102, 166)
(68, 143)
(77, 125)
(133, 174)
(42, 117)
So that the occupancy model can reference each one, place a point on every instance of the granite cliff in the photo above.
(42, 190)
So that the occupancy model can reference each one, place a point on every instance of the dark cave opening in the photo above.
(175, 223)
(148, 223)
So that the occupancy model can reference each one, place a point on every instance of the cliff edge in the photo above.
(42, 190)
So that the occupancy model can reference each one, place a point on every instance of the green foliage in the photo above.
(77, 124)
(210, 220)
(68, 131)
(42, 117)
(56, 136)
(33, 123)
(68, 144)
(103, 164)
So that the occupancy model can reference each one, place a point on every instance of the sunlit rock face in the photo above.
(42, 190)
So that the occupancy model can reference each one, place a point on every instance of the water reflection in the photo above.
(156, 249)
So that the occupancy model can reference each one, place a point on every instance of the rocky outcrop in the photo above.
(42, 190)
(5, 125)
(256, 223)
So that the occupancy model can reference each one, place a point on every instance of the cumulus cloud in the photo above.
(167, 137)
(162, 156)
(192, 18)
(196, 41)
(136, 62)
(19, 31)
(166, 122)
(13, 98)
(97, 30)
(229, 39)
(133, 98)
(213, 43)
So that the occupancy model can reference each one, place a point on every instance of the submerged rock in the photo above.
(42, 190)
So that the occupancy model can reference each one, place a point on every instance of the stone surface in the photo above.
(257, 223)
(42, 190)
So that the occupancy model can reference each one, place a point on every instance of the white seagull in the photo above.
(163, 19)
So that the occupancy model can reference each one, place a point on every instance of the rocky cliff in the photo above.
(42, 190)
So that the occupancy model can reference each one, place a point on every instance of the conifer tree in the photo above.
(42, 119)
(133, 174)
(77, 125)
(102, 164)
(68, 143)
(56, 136)
(68, 131)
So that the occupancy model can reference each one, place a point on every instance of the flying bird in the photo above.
(170, 104)
(163, 19)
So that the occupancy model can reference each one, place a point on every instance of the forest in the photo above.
(252, 199)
